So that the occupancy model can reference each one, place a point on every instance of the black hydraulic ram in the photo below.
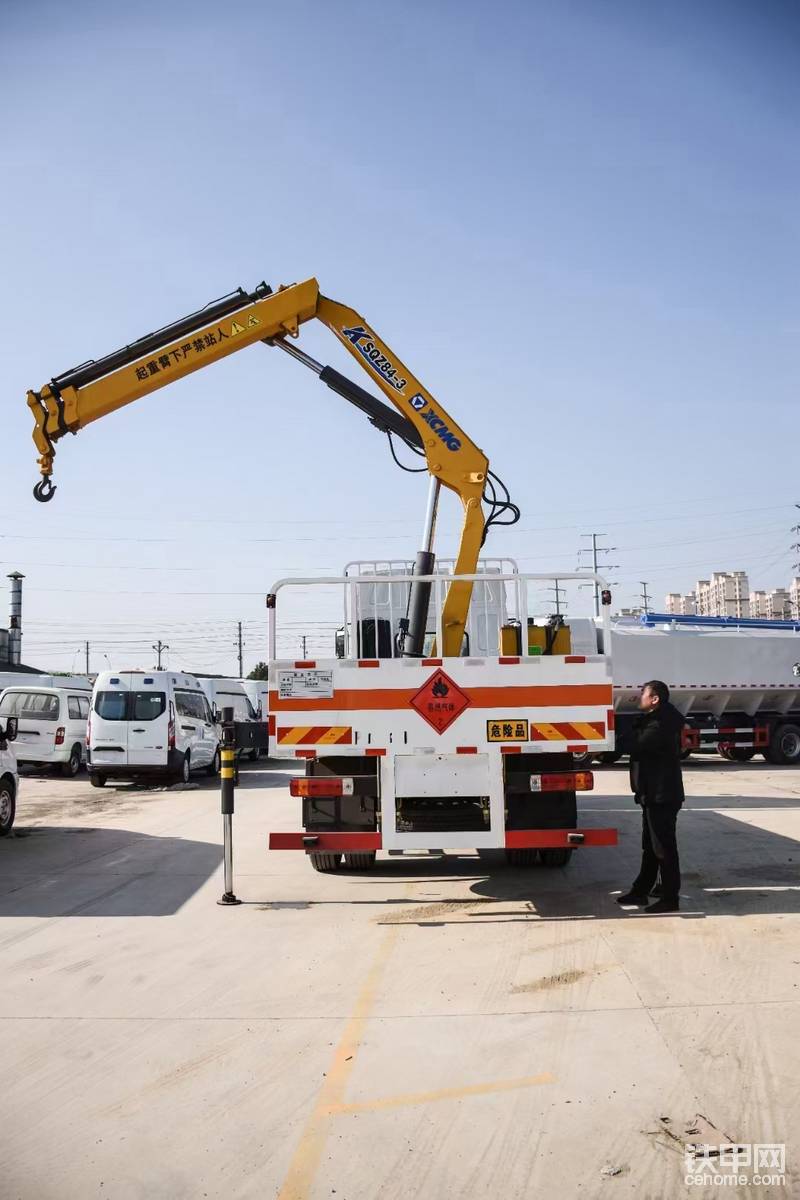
(88, 372)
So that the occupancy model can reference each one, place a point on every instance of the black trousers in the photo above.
(659, 850)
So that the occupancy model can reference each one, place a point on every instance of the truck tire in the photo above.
(325, 862)
(556, 856)
(784, 745)
(525, 856)
(8, 806)
(96, 779)
(213, 767)
(609, 757)
(362, 861)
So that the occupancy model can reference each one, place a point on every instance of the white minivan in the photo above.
(51, 725)
(150, 723)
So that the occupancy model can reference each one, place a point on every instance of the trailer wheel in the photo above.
(325, 862)
(527, 856)
(784, 745)
(364, 860)
(556, 856)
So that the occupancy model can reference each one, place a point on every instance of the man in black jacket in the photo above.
(657, 785)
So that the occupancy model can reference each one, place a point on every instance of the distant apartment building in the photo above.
(772, 606)
(725, 594)
(682, 606)
(794, 599)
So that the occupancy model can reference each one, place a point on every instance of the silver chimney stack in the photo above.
(15, 619)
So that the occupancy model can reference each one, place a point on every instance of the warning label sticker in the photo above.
(500, 730)
(305, 685)
(440, 701)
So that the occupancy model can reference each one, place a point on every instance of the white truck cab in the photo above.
(150, 723)
(9, 780)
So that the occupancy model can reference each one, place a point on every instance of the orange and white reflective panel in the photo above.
(570, 731)
(315, 735)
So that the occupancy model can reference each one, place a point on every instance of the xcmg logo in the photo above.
(361, 338)
(432, 418)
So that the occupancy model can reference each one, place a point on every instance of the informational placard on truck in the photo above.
(304, 684)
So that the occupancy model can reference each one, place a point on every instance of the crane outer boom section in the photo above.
(451, 455)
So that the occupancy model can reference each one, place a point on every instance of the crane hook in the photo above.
(44, 490)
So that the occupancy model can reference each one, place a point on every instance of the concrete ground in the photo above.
(442, 1027)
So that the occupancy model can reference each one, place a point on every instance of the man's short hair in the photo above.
(658, 688)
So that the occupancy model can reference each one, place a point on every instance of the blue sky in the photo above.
(577, 222)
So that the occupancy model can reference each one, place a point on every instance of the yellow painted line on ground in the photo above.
(308, 1155)
(478, 1089)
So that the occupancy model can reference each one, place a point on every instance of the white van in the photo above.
(9, 782)
(230, 693)
(150, 723)
(51, 725)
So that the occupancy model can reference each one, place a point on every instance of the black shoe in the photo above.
(658, 890)
(663, 906)
(633, 898)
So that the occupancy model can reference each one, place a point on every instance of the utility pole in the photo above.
(645, 598)
(159, 649)
(595, 551)
(303, 639)
(87, 658)
(558, 592)
(241, 667)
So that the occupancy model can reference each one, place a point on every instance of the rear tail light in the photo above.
(171, 728)
(574, 781)
(60, 735)
(271, 724)
(320, 786)
(88, 730)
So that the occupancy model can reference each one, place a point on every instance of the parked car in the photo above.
(150, 724)
(9, 780)
(51, 725)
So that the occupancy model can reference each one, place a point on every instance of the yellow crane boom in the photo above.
(75, 399)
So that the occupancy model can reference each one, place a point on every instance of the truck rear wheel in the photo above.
(525, 856)
(784, 745)
(362, 861)
(556, 856)
(325, 862)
